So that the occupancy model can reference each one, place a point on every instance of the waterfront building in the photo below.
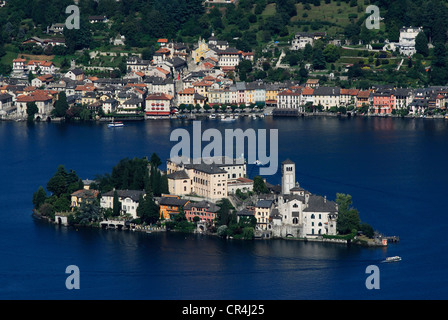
(327, 97)
(383, 101)
(307, 96)
(256, 92)
(206, 211)
(348, 97)
(5, 102)
(298, 213)
(363, 98)
(170, 206)
(271, 92)
(290, 99)
(186, 96)
(158, 105)
(129, 200)
(43, 101)
(403, 98)
(83, 196)
(263, 210)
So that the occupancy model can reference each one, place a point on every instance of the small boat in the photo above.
(114, 124)
(212, 116)
(228, 119)
(258, 162)
(393, 259)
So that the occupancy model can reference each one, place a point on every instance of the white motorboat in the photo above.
(227, 119)
(212, 116)
(393, 259)
(114, 124)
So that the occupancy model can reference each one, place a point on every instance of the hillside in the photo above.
(263, 26)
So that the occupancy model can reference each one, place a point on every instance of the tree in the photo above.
(439, 67)
(60, 106)
(58, 184)
(308, 52)
(260, 185)
(348, 217)
(88, 212)
(39, 197)
(116, 205)
(224, 212)
(331, 53)
(31, 110)
(147, 210)
(318, 60)
(77, 39)
(155, 160)
(421, 44)
(244, 67)
(366, 229)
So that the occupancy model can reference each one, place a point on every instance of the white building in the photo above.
(129, 200)
(298, 213)
(301, 39)
(406, 44)
(288, 176)
(289, 99)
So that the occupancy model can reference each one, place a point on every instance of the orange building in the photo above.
(170, 206)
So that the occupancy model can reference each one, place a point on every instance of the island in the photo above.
(210, 197)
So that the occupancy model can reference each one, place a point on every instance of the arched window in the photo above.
(312, 216)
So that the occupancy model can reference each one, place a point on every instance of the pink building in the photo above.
(383, 102)
(204, 210)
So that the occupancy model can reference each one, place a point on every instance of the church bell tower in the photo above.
(288, 176)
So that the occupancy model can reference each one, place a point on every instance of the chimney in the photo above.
(325, 199)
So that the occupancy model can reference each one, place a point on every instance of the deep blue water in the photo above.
(395, 170)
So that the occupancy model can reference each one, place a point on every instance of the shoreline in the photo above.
(258, 115)
(144, 229)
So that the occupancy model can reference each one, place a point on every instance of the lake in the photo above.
(393, 168)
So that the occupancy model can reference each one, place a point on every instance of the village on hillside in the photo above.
(201, 79)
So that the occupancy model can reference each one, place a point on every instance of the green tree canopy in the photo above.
(61, 105)
(259, 185)
(348, 217)
(147, 210)
(39, 197)
(31, 110)
(421, 44)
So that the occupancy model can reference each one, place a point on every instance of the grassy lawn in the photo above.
(269, 10)
(336, 17)
(330, 12)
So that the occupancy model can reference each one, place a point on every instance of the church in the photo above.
(297, 212)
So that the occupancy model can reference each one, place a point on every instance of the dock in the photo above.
(392, 239)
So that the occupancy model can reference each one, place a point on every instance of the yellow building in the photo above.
(83, 195)
(216, 97)
(263, 210)
(199, 54)
(271, 94)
